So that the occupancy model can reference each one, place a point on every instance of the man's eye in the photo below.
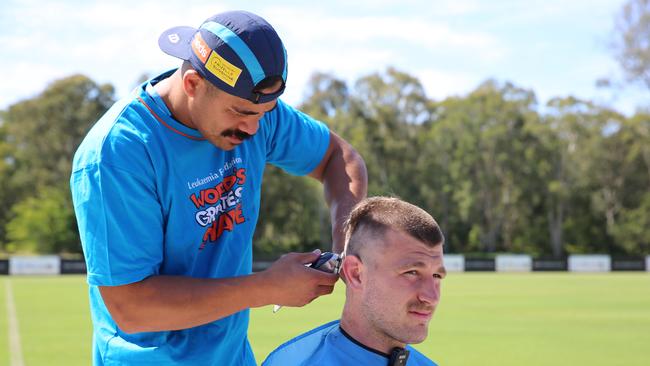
(412, 273)
(437, 276)
(236, 112)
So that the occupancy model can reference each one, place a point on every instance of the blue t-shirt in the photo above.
(327, 345)
(153, 197)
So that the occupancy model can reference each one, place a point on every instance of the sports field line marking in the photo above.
(15, 353)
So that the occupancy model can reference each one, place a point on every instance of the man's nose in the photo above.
(249, 125)
(430, 291)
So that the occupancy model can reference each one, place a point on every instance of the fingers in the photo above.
(319, 291)
(306, 258)
(324, 290)
(297, 284)
(323, 278)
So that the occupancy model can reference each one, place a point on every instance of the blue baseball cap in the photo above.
(235, 51)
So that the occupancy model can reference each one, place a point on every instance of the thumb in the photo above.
(308, 257)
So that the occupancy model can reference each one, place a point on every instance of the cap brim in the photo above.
(176, 41)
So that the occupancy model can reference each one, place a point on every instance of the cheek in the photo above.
(388, 292)
(208, 120)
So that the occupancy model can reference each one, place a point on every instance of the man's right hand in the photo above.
(290, 283)
(163, 302)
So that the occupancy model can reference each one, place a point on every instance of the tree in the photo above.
(583, 194)
(7, 198)
(623, 184)
(632, 42)
(633, 230)
(391, 107)
(475, 156)
(326, 97)
(44, 131)
(42, 224)
(293, 215)
(41, 135)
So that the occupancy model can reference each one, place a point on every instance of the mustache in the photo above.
(420, 307)
(236, 133)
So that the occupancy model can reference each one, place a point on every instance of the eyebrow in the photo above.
(416, 264)
(252, 113)
(420, 264)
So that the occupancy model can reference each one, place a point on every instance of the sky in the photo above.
(556, 48)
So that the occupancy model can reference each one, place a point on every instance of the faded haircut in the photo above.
(372, 217)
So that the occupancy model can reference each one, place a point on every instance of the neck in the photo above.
(172, 93)
(359, 328)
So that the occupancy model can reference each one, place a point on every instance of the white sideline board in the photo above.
(590, 263)
(513, 263)
(454, 262)
(647, 263)
(35, 265)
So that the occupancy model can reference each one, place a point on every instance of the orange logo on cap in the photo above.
(200, 48)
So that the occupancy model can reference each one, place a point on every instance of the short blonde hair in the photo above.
(371, 218)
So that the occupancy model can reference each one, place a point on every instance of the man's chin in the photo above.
(414, 340)
(416, 335)
(412, 334)
(223, 144)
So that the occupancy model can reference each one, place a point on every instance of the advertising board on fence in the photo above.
(514, 263)
(479, 264)
(590, 263)
(550, 264)
(54, 265)
(454, 262)
(628, 264)
(34, 265)
(73, 266)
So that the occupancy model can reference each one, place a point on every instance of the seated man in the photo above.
(392, 269)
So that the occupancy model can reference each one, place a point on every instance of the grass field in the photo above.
(483, 319)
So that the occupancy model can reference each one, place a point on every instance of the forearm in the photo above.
(345, 182)
(161, 303)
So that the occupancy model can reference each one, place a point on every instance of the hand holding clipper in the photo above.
(326, 262)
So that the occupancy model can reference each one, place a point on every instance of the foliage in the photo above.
(42, 224)
(293, 216)
(632, 42)
(498, 172)
(38, 138)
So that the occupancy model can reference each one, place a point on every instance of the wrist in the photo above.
(264, 289)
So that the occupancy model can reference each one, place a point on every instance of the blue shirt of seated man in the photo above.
(330, 345)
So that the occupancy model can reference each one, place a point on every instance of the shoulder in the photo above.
(117, 136)
(286, 116)
(418, 359)
(300, 348)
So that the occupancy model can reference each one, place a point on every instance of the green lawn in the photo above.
(484, 319)
(4, 339)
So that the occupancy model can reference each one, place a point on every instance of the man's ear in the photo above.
(191, 82)
(352, 271)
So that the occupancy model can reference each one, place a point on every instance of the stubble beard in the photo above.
(393, 326)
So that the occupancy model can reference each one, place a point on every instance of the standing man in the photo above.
(392, 269)
(166, 189)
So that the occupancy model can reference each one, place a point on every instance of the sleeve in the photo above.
(295, 142)
(120, 224)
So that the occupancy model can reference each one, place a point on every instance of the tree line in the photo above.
(499, 171)
(498, 174)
